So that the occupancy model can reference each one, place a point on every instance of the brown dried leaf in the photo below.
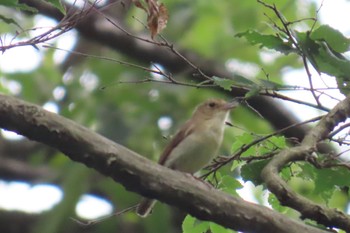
(157, 15)
(157, 19)
(163, 17)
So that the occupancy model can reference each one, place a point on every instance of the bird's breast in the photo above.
(196, 150)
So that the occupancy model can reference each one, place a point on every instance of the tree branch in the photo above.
(140, 175)
(270, 174)
(95, 27)
(13, 169)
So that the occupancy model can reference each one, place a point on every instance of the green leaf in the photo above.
(332, 63)
(277, 141)
(308, 46)
(187, 224)
(11, 3)
(235, 165)
(251, 171)
(270, 85)
(254, 91)
(224, 83)
(242, 82)
(229, 185)
(272, 144)
(9, 21)
(237, 81)
(308, 172)
(286, 173)
(216, 228)
(274, 202)
(58, 5)
(335, 65)
(334, 38)
(326, 60)
(327, 180)
(268, 41)
(242, 140)
(19, 6)
(267, 84)
(193, 225)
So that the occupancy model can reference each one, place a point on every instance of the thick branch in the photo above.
(13, 169)
(139, 174)
(17, 222)
(308, 209)
(14, 156)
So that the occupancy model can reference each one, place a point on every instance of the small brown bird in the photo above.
(195, 144)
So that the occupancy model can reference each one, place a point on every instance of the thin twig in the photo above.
(244, 148)
(342, 127)
(309, 75)
(98, 220)
(291, 37)
(172, 48)
(274, 94)
(66, 24)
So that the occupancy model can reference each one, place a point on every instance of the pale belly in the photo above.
(194, 153)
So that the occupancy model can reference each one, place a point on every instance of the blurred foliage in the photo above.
(192, 225)
(107, 98)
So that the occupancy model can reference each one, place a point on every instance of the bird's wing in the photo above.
(184, 132)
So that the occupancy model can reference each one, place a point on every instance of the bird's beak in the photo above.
(231, 105)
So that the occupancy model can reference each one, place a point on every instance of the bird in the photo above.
(195, 144)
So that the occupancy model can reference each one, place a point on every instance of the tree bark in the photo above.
(270, 174)
(140, 175)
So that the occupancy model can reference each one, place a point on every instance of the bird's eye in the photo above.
(212, 104)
